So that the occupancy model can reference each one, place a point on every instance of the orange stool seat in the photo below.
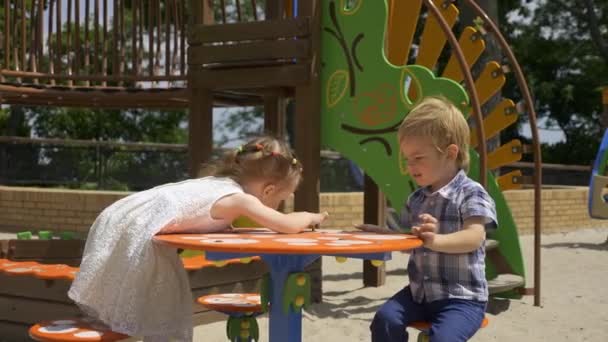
(424, 327)
(232, 302)
(72, 330)
(241, 308)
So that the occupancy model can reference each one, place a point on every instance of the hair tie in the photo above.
(294, 161)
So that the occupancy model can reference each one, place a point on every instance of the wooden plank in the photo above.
(249, 51)
(472, 45)
(433, 39)
(510, 181)
(13, 332)
(31, 287)
(274, 115)
(200, 127)
(374, 211)
(402, 21)
(274, 76)
(258, 30)
(30, 311)
(505, 154)
(45, 249)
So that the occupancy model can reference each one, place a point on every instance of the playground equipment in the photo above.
(369, 84)
(349, 65)
(598, 207)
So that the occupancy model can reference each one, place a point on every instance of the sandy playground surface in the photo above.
(574, 297)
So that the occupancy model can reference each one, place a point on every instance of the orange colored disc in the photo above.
(318, 242)
(72, 330)
(232, 302)
(423, 325)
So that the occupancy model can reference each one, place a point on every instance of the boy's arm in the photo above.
(478, 214)
(464, 241)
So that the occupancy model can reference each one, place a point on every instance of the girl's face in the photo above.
(271, 195)
(426, 164)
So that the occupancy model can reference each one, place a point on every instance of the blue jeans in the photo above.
(451, 319)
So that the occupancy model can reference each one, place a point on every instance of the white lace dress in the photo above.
(133, 285)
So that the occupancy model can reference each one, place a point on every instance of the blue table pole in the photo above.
(284, 327)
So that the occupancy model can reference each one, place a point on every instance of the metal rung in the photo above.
(491, 244)
(504, 283)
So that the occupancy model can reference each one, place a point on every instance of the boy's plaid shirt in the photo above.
(434, 275)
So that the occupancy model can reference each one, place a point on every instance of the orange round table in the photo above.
(287, 254)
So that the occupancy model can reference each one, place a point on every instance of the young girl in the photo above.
(140, 288)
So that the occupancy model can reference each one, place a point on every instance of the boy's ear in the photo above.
(453, 151)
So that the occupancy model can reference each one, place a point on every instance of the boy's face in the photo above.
(426, 164)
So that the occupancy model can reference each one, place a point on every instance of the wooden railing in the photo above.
(108, 43)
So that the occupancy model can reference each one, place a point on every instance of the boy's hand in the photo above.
(426, 229)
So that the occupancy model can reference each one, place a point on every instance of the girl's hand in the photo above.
(426, 229)
(317, 219)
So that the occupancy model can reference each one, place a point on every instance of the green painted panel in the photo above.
(365, 98)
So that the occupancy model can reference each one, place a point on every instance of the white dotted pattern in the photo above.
(58, 329)
(89, 334)
(333, 238)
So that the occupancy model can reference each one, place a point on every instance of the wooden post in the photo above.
(200, 124)
(274, 115)
(274, 9)
(308, 131)
(308, 117)
(274, 106)
(374, 207)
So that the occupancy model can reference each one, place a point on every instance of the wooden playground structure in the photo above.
(204, 54)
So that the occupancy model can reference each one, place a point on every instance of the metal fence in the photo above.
(105, 165)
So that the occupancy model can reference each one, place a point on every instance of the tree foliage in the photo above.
(562, 48)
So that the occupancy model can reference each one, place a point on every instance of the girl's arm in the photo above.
(232, 206)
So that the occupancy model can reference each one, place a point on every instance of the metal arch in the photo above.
(470, 84)
(523, 85)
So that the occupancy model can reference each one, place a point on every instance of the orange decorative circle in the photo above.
(199, 261)
(72, 330)
(318, 242)
(232, 302)
(38, 270)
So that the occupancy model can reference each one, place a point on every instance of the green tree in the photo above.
(562, 47)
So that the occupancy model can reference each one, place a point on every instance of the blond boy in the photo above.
(450, 213)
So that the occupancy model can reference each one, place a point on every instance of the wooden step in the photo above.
(491, 244)
(505, 282)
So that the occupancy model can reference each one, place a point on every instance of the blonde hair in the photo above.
(443, 122)
(263, 158)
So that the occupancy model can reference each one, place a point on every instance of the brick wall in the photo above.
(58, 209)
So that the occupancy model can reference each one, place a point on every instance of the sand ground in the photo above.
(574, 297)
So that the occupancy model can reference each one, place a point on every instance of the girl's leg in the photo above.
(455, 320)
(393, 316)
